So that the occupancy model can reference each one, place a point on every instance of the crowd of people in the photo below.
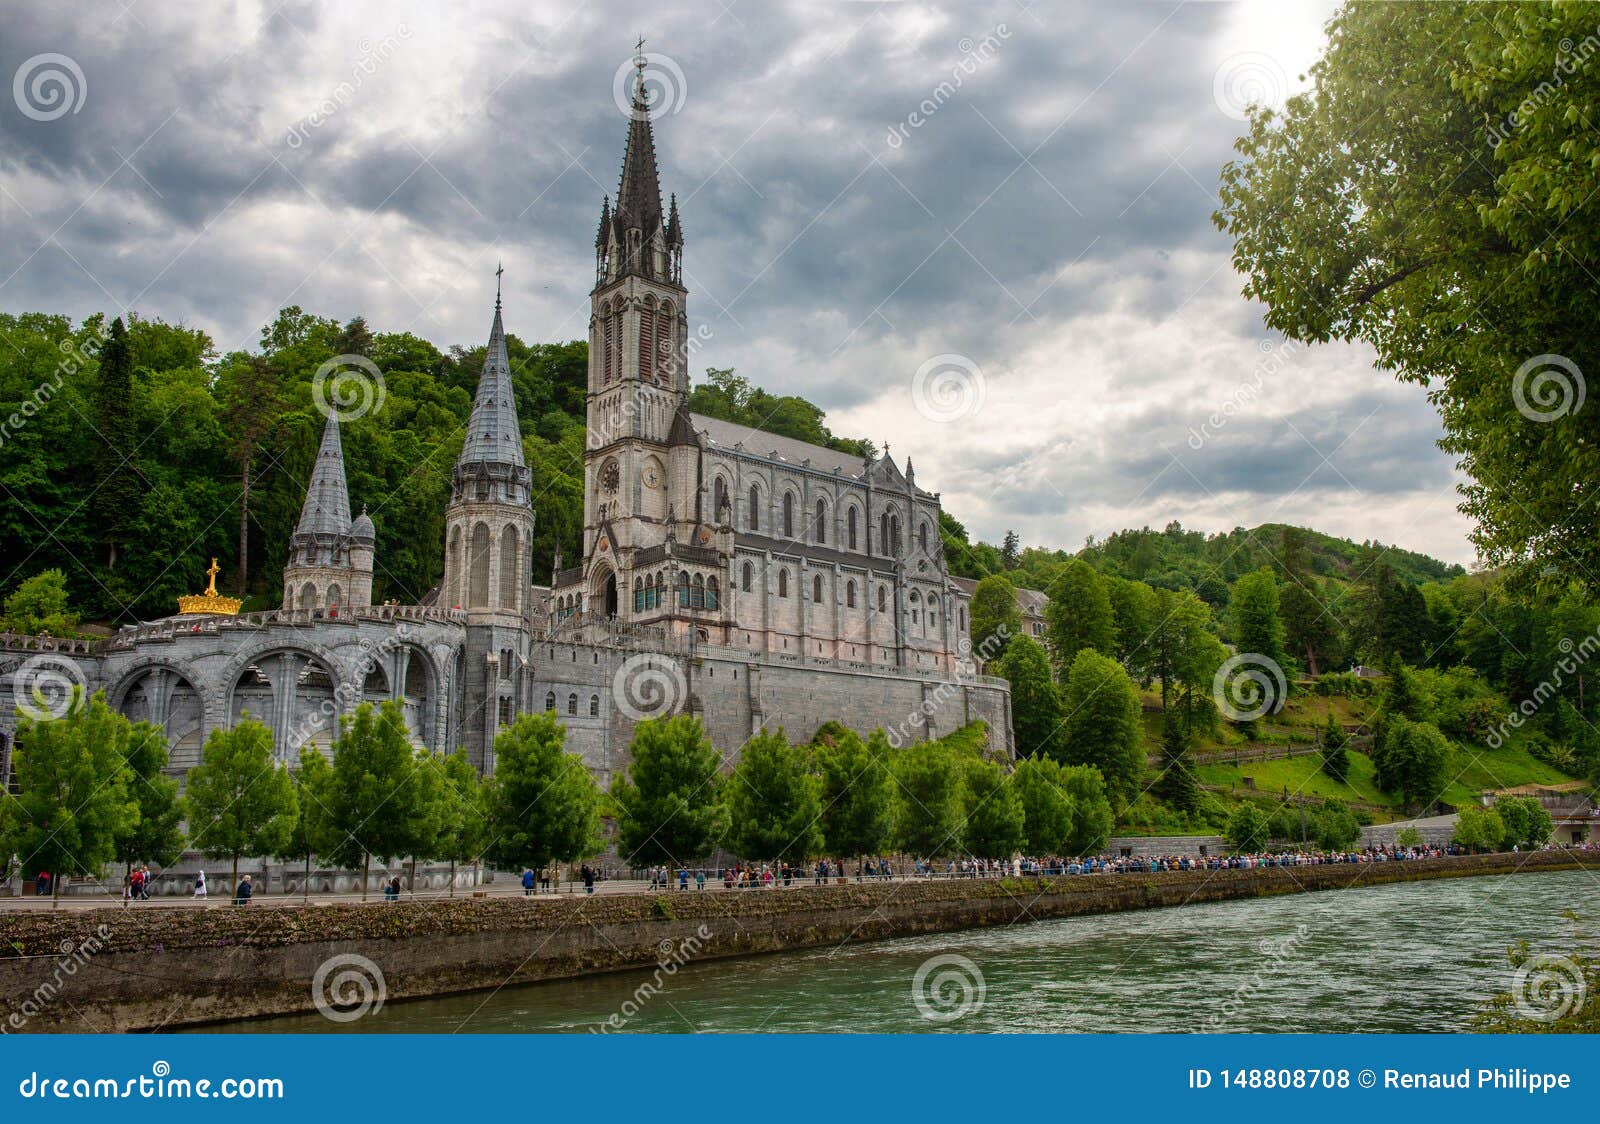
(748, 876)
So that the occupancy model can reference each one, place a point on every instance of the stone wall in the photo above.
(139, 969)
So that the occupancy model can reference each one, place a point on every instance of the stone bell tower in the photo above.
(488, 536)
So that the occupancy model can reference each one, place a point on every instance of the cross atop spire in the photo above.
(498, 270)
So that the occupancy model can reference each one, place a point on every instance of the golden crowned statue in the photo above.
(210, 601)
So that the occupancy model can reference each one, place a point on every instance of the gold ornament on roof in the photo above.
(210, 601)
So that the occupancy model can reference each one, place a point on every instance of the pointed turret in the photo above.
(493, 446)
(674, 227)
(326, 510)
(605, 224)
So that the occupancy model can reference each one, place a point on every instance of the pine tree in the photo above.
(118, 488)
(1177, 784)
(252, 406)
(1335, 757)
(1010, 550)
(1307, 625)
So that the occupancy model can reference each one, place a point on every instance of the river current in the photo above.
(1418, 956)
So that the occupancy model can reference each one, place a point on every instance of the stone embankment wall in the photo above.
(141, 969)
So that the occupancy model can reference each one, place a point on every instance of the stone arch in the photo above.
(308, 596)
(297, 689)
(167, 693)
(335, 596)
(478, 568)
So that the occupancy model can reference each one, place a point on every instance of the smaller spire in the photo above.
(674, 229)
(605, 224)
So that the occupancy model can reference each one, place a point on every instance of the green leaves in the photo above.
(773, 804)
(540, 806)
(1433, 197)
(239, 801)
(668, 801)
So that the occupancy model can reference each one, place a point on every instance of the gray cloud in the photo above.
(827, 259)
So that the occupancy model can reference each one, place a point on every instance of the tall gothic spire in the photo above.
(493, 434)
(639, 192)
(327, 507)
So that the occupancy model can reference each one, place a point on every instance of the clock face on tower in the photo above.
(610, 477)
(652, 479)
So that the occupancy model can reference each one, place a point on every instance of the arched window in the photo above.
(922, 537)
(550, 700)
(749, 576)
(478, 593)
(683, 589)
(638, 595)
(783, 583)
(788, 515)
(883, 533)
(849, 595)
(334, 596)
(665, 352)
(961, 616)
(850, 520)
(594, 706)
(755, 508)
(308, 597)
(647, 339)
(572, 704)
(508, 568)
(894, 535)
(713, 594)
(697, 595)
(613, 352)
(658, 594)
(882, 600)
(822, 522)
(719, 498)
(816, 589)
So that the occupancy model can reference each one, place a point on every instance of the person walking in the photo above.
(527, 882)
(144, 884)
(683, 878)
(588, 879)
(241, 896)
(200, 885)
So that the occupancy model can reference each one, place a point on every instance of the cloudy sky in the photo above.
(977, 232)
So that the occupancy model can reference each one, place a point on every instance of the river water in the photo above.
(1416, 956)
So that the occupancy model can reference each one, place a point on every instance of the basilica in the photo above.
(750, 579)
